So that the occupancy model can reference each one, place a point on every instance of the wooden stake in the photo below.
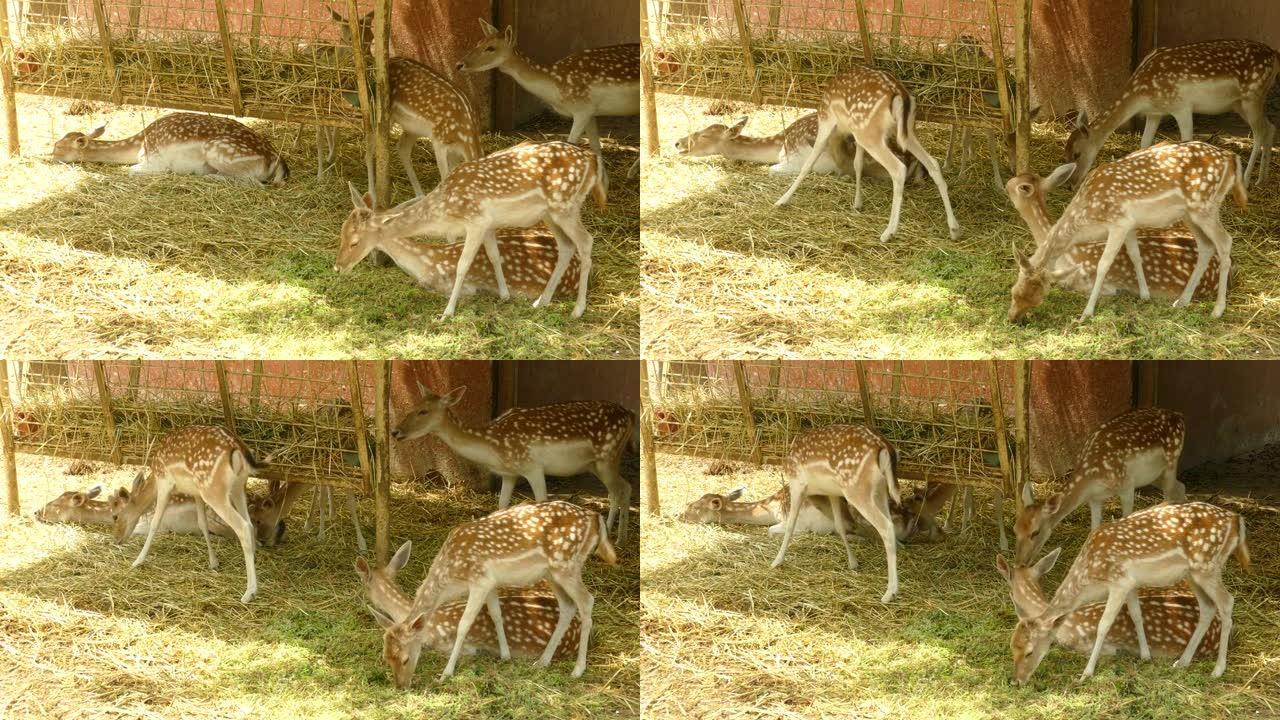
(6, 437)
(224, 392)
(1022, 406)
(228, 52)
(646, 84)
(997, 57)
(744, 37)
(382, 105)
(864, 389)
(108, 59)
(748, 415)
(864, 30)
(382, 489)
(1022, 50)
(1002, 437)
(108, 415)
(6, 82)
(648, 466)
(255, 27)
(255, 385)
(357, 420)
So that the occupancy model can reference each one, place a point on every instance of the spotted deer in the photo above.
(528, 259)
(529, 615)
(517, 187)
(211, 465)
(563, 439)
(851, 462)
(425, 104)
(1168, 253)
(183, 143)
(1209, 78)
(1169, 617)
(518, 546)
(1125, 453)
(1149, 188)
(77, 506)
(872, 105)
(586, 85)
(1156, 547)
(784, 152)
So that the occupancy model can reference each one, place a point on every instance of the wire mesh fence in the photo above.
(306, 415)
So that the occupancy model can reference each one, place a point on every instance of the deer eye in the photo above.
(490, 48)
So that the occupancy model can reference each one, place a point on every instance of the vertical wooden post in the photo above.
(864, 30)
(255, 27)
(864, 390)
(1002, 431)
(6, 82)
(382, 106)
(775, 19)
(748, 59)
(895, 25)
(6, 435)
(895, 389)
(648, 467)
(382, 489)
(108, 416)
(506, 13)
(646, 83)
(357, 419)
(748, 414)
(108, 59)
(1022, 406)
(1007, 124)
(135, 17)
(1022, 51)
(255, 385)
(229, 53)
(1144, 34)
(1144, 383)
(135, 378)
(507, 373)
(224, 392)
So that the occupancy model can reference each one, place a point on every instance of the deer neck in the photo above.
(466, 442)
(418, 260)
(387, 596)
(143, 500)
(1035, 213)
(752, 149)
(768, 511)
(1115, 116)
(423, 216)
(531, 76)
(1056, 242)
(1029, 596)
(114, 152)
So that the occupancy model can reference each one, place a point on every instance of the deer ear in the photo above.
(1027, 497)
(454, 396)
(418, 623)
(1052, 504)
(362, 568)
(337, 17)
(97, 132)
(488, 29)
(367, 18)
(78, 499)
(1023, 262)
(356, 198)
(401, 558)
(384, 621)
(509, 35)
(369, 201)
(716, 503)
(94, 491)
(1082, 120)
(1033, 113)
(735, 493)
(422, 389)
(1002, 567)
(738, 126)
(1047, 562)
(1059, 176)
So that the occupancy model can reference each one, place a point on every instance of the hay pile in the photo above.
(726, 636)
(81, 633)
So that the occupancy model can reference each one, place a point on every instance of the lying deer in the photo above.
(1125, 453)
(1169, 616)
(529, 615)
(82, 508)
(1208, 78)
(785, 152)
(183, 143)
(517, 187)
(513, 547)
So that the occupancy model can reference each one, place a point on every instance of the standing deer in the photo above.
(1168, 253)
(1209, 78)
(1158, 546)
(850, 462)
(529, 615)
(786, 151)
(183, 143)
(1122, 455)
(1169, 616)
(562, 439)
(1149, 188)
(872, 105)
(517, 187)
(513, 547)
(211, 465)
(588, 84)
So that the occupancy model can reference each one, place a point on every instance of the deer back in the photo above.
(419, 93)
(557, 174)
(1121, 440)
(520, 433)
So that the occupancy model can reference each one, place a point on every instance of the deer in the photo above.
(77, 506)
(183, 143)
(425, 104)
(1169, 253)
(512, 547)
(1127, 452)
(1158, 546)
(562, 439)
(967, 50)
(851, 462)
(1169, 615)
(588, 84)
(1149, 188)
(784, 151)
(211, 465)
(1209, 78)
(529, 254)
(872, 105)
(529, 615)
(517, 187)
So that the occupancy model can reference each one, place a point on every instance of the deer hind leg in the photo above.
(567, 611)
(1126, 499)
(571, 225)
(504, 495)
(968, 506)
(1149, 129)
(444, 158)
(873, 504)
(859, 156)
(797, 487)
(951, 145)
(495, 259)
(495, 614)
(1115, 599)
(1186, 128)
(571, 583)
(997, 178)
(1253, 110)
(837, 516)
(475, 600)
(355, 521)
(1207, 611)
(1135, 257)
(966, 147)
(914, 147)
(825, 128)
(233, 510)
(564, 253)
(619, 496)
(1004, 540)
(163, 488)
(1204, 252)
(1217, 234)
(1135, 613)
(1115, 239)
(877, 148)
(538, 484)
(1212, 585)
(404, 150)
(1095, 514)
(203, 522)
(1174, 491)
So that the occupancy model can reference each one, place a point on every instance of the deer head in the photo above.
(66, 507)
(1080, 149)
(707, 508)
(364, 23)
(1034, 523)
(72, 145)
(401, 645)
(491, 51)
(361, 232)
(431, 413)
(1028, 292)
(707, 140)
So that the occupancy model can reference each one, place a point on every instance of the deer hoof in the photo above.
(884, 236)
(955, 233)
(579, 669)
(247, 596)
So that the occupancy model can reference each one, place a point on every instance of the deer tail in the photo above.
(597, 185)
(886, 467)
(904, 113)
(604, 548)
(1242, 547)
(1237, 185)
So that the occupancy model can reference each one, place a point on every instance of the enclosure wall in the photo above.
(438, 34)
(1069, 399)
(1080, 54)
(551, 381)
(1184, 21)
(1231, 407)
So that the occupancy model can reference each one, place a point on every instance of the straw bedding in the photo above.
(726, 637)
(728, 275)
(82, 634)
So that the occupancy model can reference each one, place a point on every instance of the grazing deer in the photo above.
(1168, 253)
(872, 105)
(1157, 547)
(1206, 77)
(784, 152)
(588, 84)
(1149, 188)
(183, 143)
(528, 255)
(850, 462)
(1169, 616)
(425, 104)
(517, 187)
(1125, 453)
(211, 465)
(513, 547)
(563, 439)
(529, 615)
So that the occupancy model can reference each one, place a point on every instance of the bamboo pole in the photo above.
(6, 434)
(1022, 49)
(864, 30)
(895, 25)
(648, 466)
(357, 419)
(229, 52)
(1022, 406)
(775, 19)
(1002, 85)
(744, 37)
(135, 16)
(1002, 437)
(895, 390)
(362, 68)
(224, 392)
(135, 377)
(748, 414)
(255, 27)
(255, 385)
(652, 144)
(382, 108)
(108, 59)
(864, 390)
(382, 489)
(6, 82)
(108, 416)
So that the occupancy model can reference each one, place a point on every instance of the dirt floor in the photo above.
(1256, 474)
(96, 262)
(729, 275)
(726, 637)
(84, 635)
